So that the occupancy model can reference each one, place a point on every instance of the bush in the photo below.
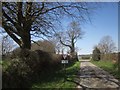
(23, 71)
(40, 61)
(109, 56)
(16, 75)
(96, 54)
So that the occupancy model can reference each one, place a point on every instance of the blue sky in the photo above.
(104, 22)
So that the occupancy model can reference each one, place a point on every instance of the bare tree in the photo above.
(7, 45)
(22, 20)
(106, 45)
(70, 37)
(58, 46)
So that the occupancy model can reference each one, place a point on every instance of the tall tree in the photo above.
(22, 20)
(106, 45)
(70, 37)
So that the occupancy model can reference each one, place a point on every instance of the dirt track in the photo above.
(93, 77)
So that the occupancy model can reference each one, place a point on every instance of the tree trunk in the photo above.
(26, 40)
(26, 44)
(73, 47)
(72, 51)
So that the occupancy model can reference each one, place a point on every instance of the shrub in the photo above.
(110, 56)
(96, 54)
(16, 75)
(40, 61)
(23, 71)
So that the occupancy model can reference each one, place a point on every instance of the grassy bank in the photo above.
(109, 67)
(52, 79)
(59, 79)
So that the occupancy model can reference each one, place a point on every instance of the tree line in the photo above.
(105, 50)
(24, 20)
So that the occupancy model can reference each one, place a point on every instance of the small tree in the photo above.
(70, 37)
(96, 54)
(106, 45)
(7, 45)
(57, 45)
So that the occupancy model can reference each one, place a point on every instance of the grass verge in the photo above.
(109, 67)
(58, 79)
(5, 64)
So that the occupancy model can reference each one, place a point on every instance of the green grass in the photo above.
(5, 64)
(108, 66)
(0, 62)
(57, 79)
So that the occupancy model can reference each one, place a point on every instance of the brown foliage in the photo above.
(45, 45)
(111, 57)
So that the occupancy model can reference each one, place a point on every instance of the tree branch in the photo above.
(64, 44)
(19, 15)
(35, 43)
(8, 18)
(10, 33)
